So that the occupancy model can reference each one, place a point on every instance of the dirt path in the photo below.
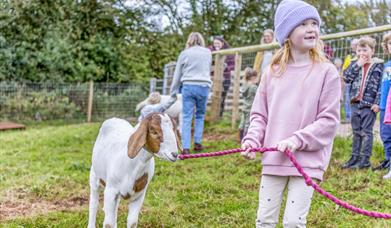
(16, 208)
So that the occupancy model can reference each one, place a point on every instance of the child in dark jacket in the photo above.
(364, 75)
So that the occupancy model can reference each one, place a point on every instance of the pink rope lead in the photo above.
(307, 179)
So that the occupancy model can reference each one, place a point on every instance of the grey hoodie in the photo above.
(193, 67)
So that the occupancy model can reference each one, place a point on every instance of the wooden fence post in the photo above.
(152, 85)
(90, 100)
(236, 93)
(217, 87)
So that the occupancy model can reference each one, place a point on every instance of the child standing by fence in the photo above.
(387, 119)
(154, 104)
(364, 75)
(248, 93)
(282, 116)
(385, 129)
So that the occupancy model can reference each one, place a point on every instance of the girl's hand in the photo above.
(286, 144)
(247, 154)
(375, 108)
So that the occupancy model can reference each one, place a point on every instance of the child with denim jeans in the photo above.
(385, 127)
(364, 75)
(281, 116)
(192, 71)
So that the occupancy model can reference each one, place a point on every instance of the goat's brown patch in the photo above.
(102, 182)
(140, 183)
(108, 226)
(134, 225)
(125, 197)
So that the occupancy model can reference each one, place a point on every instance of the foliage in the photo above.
(41, 106)
(207, 192)
(24, 103)
(127, 41)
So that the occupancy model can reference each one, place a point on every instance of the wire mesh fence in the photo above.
(68, 102)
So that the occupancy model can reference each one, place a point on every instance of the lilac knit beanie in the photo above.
(289, 14)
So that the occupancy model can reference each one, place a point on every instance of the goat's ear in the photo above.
(138, 139)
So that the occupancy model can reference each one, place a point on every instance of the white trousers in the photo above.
(270, 197)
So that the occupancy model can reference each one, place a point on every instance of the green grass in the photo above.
(51, 164)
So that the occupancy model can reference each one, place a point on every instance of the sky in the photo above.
(165, 21)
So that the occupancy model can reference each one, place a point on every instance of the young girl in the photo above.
(386, 127)
(154, 104)
(296, 108)
(263, 58)
(248, 94)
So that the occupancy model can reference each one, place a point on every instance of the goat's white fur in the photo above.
(111, 163)
(174, 111)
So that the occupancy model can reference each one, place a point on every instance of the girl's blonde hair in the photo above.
(386, 38)
(283, 55)
(195, 38)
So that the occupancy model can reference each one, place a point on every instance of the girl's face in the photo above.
(305, 36)
(267, 38)
(217, 44)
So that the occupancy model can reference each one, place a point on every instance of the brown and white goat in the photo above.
(123, 163)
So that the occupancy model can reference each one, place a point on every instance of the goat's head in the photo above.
(158, 134)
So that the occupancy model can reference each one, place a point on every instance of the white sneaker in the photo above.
(388, 175)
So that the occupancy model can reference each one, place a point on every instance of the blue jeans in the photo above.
(193, 96)
(385, 134)
(347, 102)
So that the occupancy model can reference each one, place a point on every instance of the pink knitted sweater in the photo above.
(302, 105)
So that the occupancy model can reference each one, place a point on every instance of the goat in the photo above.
(174, 111)
(123, 163)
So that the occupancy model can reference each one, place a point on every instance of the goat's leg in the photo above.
(109, 207)
(134, 208)
(116, 210)
(94, 199)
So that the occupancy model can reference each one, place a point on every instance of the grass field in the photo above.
(44, 183)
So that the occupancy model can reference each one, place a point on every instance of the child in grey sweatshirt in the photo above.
(154, 105)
